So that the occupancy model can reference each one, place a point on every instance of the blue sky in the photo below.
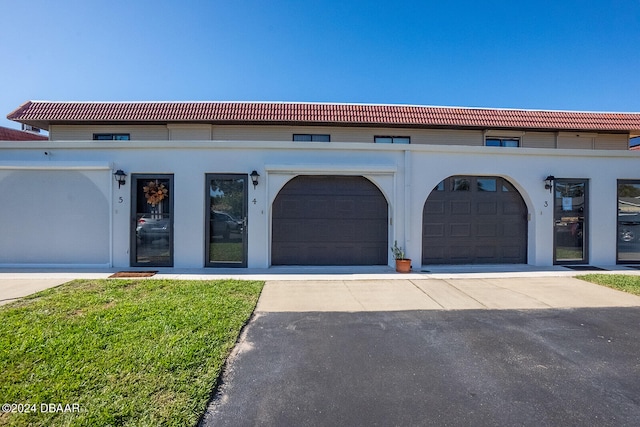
(557, 55)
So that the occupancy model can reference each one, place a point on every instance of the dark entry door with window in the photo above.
(226, 230)
(570, 221)
(152, 220)
(628, 221)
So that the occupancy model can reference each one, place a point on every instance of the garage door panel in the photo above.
(459, 253)
(317, 208)
(319, 252)
(486, 252)
(343, 222)
(279, 251)
(434, 207)
(290, 207)
(466, 221)
(487, 230)
(487, 208)
(433, 230)
(460, 207)
(344, 208)
(514, 253)
(435, 255)
(511, 207)
(512, 229)
(368, 208)
(460, 230)
(291, 232)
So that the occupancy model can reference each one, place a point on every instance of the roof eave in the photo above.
(45, 124)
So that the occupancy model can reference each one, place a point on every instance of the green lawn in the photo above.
(622, 282)
(124, 352)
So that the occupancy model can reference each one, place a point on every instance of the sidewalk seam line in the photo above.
(428, 296)
(344, 283)
(469, 296)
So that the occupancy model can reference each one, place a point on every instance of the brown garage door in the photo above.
(474, 220)
(329, 220)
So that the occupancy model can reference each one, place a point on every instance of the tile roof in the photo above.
(8, 134)
(43, 113)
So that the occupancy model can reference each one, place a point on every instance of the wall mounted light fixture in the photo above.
(548, 182)
(254, 178)
(120, 177)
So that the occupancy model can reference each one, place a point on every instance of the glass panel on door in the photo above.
(628, 221)
(152, 233)
(226, 232)
(570, 221)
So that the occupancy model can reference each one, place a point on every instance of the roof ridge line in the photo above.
(422, 106)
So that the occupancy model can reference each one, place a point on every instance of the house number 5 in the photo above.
(120, 200)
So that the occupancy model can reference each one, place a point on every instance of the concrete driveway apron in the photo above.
(531, 352)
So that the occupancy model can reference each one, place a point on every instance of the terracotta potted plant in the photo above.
(403, 264)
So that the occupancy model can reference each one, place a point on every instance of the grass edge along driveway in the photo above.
(119, 352)
(622, 282)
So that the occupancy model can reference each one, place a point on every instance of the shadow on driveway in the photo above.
(569, 367)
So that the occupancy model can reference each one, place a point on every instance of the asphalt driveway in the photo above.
(532, 367)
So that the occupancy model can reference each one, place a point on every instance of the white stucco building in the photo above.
(335, 184)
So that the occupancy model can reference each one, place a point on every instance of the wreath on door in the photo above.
(155, 192)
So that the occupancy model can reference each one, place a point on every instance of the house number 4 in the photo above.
(254, 201)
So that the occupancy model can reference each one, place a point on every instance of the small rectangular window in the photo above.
(502, 142)
(311, 137)
(460, 184)
(486, 184)
(392, 139)
(111, 137)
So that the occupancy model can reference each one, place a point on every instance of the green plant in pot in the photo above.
(403, 264)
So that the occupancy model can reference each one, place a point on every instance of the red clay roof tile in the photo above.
(8, 134)
(43, 113)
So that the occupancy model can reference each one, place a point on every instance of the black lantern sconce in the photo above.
(120, 177)
(254, 178)
(548, 182)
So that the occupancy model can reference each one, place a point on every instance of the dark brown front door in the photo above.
(330, 220)
(474, 220)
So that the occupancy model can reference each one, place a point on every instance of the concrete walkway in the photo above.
(439, 294)
(14, 289)
(352, 289)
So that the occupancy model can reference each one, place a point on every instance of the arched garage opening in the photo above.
(329, 220)
(474, 220)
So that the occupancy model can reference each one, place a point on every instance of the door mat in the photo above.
(584, 268)
(126, 274)
(637, 267)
